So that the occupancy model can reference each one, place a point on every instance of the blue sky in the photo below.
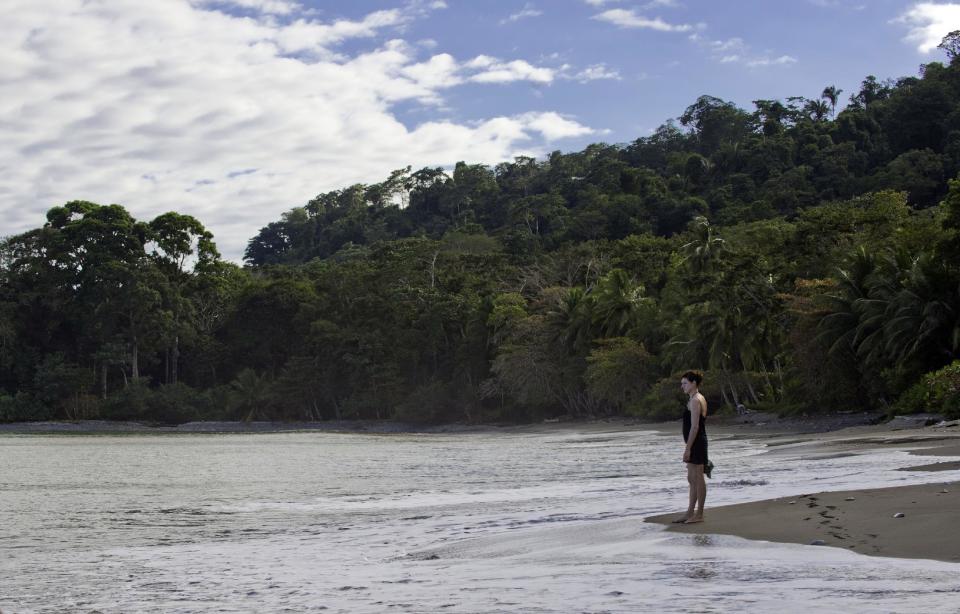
(237, 110)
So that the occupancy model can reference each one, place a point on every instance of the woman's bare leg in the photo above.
(702, 497)
(698, 493)
(691, 482)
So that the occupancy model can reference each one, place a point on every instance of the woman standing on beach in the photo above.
(695, 452)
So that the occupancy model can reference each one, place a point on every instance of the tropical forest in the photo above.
(803, 253)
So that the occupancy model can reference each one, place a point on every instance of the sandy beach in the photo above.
(912, 521)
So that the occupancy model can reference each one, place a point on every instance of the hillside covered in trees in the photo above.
(806, 257)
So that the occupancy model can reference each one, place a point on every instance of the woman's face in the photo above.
(686, 385)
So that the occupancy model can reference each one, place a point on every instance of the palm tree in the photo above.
(618, 302)
(817, 109)
(571, 319)
(705, 248)
(251, 392)
(876, 309)
(924, 320)
(831, 94)
(897, 311)
(707, 335)
(840, 325)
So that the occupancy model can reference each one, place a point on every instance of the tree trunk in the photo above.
(733, 391)
(776, 365)
(753, 393)
(766, 376)
(175, 359)
(134, 360)
(433, 269)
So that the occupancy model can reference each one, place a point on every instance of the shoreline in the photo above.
(109, 427)
(860, 520)
(758, 423)
(914, 521)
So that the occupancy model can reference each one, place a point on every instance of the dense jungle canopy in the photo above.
(806, 258)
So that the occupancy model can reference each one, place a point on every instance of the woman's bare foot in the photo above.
(693, 520)
(684, 518)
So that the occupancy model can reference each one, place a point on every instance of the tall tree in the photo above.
(831, 94)
(951, 45)
(177, 239)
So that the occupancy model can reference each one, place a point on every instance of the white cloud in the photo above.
(768, 61)
(178, 106)
(929, 23)
(599, 2)
(553, 126)
(272, 7)
(736, 51)
(439, 72)
(731, 45)
(630, 19)
(596, 72)
(495, 71)
(527, 11)
(307, 36)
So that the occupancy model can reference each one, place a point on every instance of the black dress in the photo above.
(698, 451)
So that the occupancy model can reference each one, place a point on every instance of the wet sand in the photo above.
(864, 521)
(915, 521)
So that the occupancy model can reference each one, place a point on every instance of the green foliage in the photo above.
(618, 372)
(434, 402)
(24, 407)
(949, 245)
(822, 378)
(61, 384)
(170, 404)
(797, 251)
(251, 396)
(665, 400)
(937, 392)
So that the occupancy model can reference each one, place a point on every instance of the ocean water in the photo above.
(518, 521)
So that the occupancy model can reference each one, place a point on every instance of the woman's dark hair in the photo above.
(693, 376)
